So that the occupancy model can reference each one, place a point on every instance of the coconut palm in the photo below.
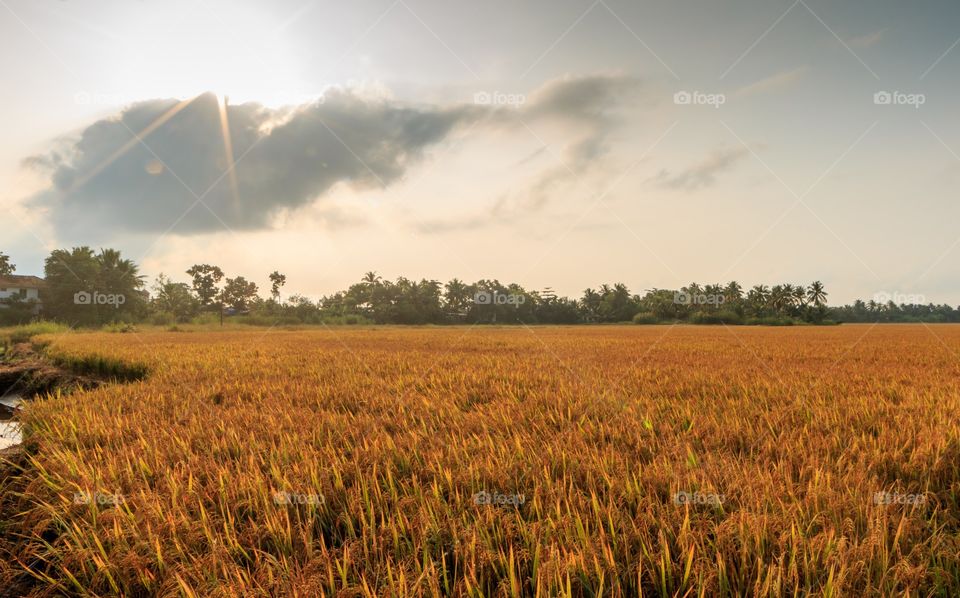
(457, 296)
(816, 295)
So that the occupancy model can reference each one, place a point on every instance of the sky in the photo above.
(559, 144)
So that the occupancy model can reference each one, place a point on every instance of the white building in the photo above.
(24, 288)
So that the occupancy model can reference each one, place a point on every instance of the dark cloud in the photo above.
(143, 170)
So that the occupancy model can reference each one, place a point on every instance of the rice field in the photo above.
(514, 461)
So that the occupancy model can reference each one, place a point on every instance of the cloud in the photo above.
(144, 169)
(772, 83)
(704, 173)
(590, 107)
(868, 40)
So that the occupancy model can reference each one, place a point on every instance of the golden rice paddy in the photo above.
(613, 461)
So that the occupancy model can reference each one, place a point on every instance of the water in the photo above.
(9, 430)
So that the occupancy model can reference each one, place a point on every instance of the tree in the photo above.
(174, 298)
(91, 289)
(757, 299)
(277, 280)
(6, 267)
(590, 304)
(238, 293)
(816, 295)
(456, 297)
(205, 281)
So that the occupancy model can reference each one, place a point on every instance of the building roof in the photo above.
(21, 282)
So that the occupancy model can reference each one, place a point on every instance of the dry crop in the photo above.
(615, 461)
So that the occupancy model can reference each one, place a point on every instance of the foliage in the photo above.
(175, 299)
(406, 301)
(205, 281)
(238, 293)
(6, 266)
(20, 334)
(76, 278)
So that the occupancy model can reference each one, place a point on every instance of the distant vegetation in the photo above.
(88, 288)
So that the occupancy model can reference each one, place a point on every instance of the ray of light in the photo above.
(126, 146)
(228, 150)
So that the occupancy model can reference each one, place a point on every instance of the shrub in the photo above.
(20, 334)
(121, 327)
(645, 317)
(163, 318)
(719, 317)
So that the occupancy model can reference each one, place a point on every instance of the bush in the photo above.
(122, 327)
(645, 317)
(20, 334)
(348, 320)
(771, 321)
(206, 319)
(163, 318)
(266, 320)
(718, 317)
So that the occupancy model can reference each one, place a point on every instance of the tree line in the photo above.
(89, 288)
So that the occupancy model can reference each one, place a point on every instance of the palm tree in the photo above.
(758, 297)
(456, 296)
(590, 303)
(370, 279)
(733, 291)
(780, 297)
(799, 295)
(816, 295)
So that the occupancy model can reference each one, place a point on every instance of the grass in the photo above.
(12, 335)
(379, 438)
